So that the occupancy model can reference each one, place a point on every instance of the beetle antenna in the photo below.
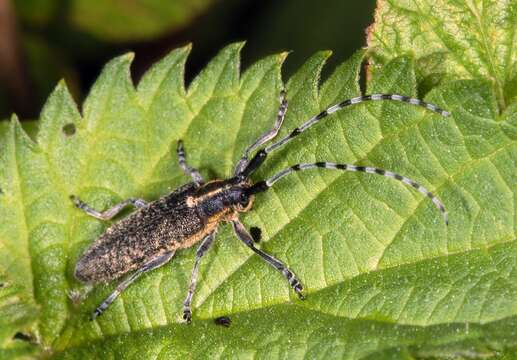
(260, 156)
(265, 185)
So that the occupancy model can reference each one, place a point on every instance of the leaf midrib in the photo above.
(146, 332)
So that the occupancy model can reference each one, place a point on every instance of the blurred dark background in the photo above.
(42, 41)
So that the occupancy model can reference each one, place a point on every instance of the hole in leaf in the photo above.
(69, 129)
(256, 234)
(22, 336)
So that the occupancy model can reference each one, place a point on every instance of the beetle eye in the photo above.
(244, 200)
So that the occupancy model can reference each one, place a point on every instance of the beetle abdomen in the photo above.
(164, 225)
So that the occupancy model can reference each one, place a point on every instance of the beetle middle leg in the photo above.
(205, 245)
(246, 238)
(189, 171)
(111, 212)
(151, 265)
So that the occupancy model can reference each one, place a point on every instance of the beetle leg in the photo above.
(151, 265)
(107, 214)
(189, 171)
(264, 138)
(246, 238)
(205, 245)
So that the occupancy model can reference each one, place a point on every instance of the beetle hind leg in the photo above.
(151, 265)
(203, 248)
(111, 212)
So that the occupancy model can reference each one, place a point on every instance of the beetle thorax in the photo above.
(222, 198)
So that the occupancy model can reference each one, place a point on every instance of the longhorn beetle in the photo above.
(148, 238)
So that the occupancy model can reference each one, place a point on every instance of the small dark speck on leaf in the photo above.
(69, 129)
(256, 234)
(223, 321)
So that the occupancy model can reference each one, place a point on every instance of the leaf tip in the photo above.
(14, 119)
(129, 57)
(16, 130)
(325, 53)
(122, 61)
(61, 89)
(234, 47)
(282, 56)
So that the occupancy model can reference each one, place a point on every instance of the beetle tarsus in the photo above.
(95, 314)
(187, 316)
(298, 289)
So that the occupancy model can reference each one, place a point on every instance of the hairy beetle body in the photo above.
(175, 221)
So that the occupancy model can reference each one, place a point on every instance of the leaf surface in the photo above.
(473, 39)
(384, 276)
(16, 315)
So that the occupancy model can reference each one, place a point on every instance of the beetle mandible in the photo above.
(148, 238)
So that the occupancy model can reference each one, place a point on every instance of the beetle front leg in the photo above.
(205, 245)
(110, 213)
(246, 238)
(264, 138)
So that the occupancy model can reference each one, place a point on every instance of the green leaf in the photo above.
(16, 313)
(384, 276)
(473, 39)
(115, 21)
